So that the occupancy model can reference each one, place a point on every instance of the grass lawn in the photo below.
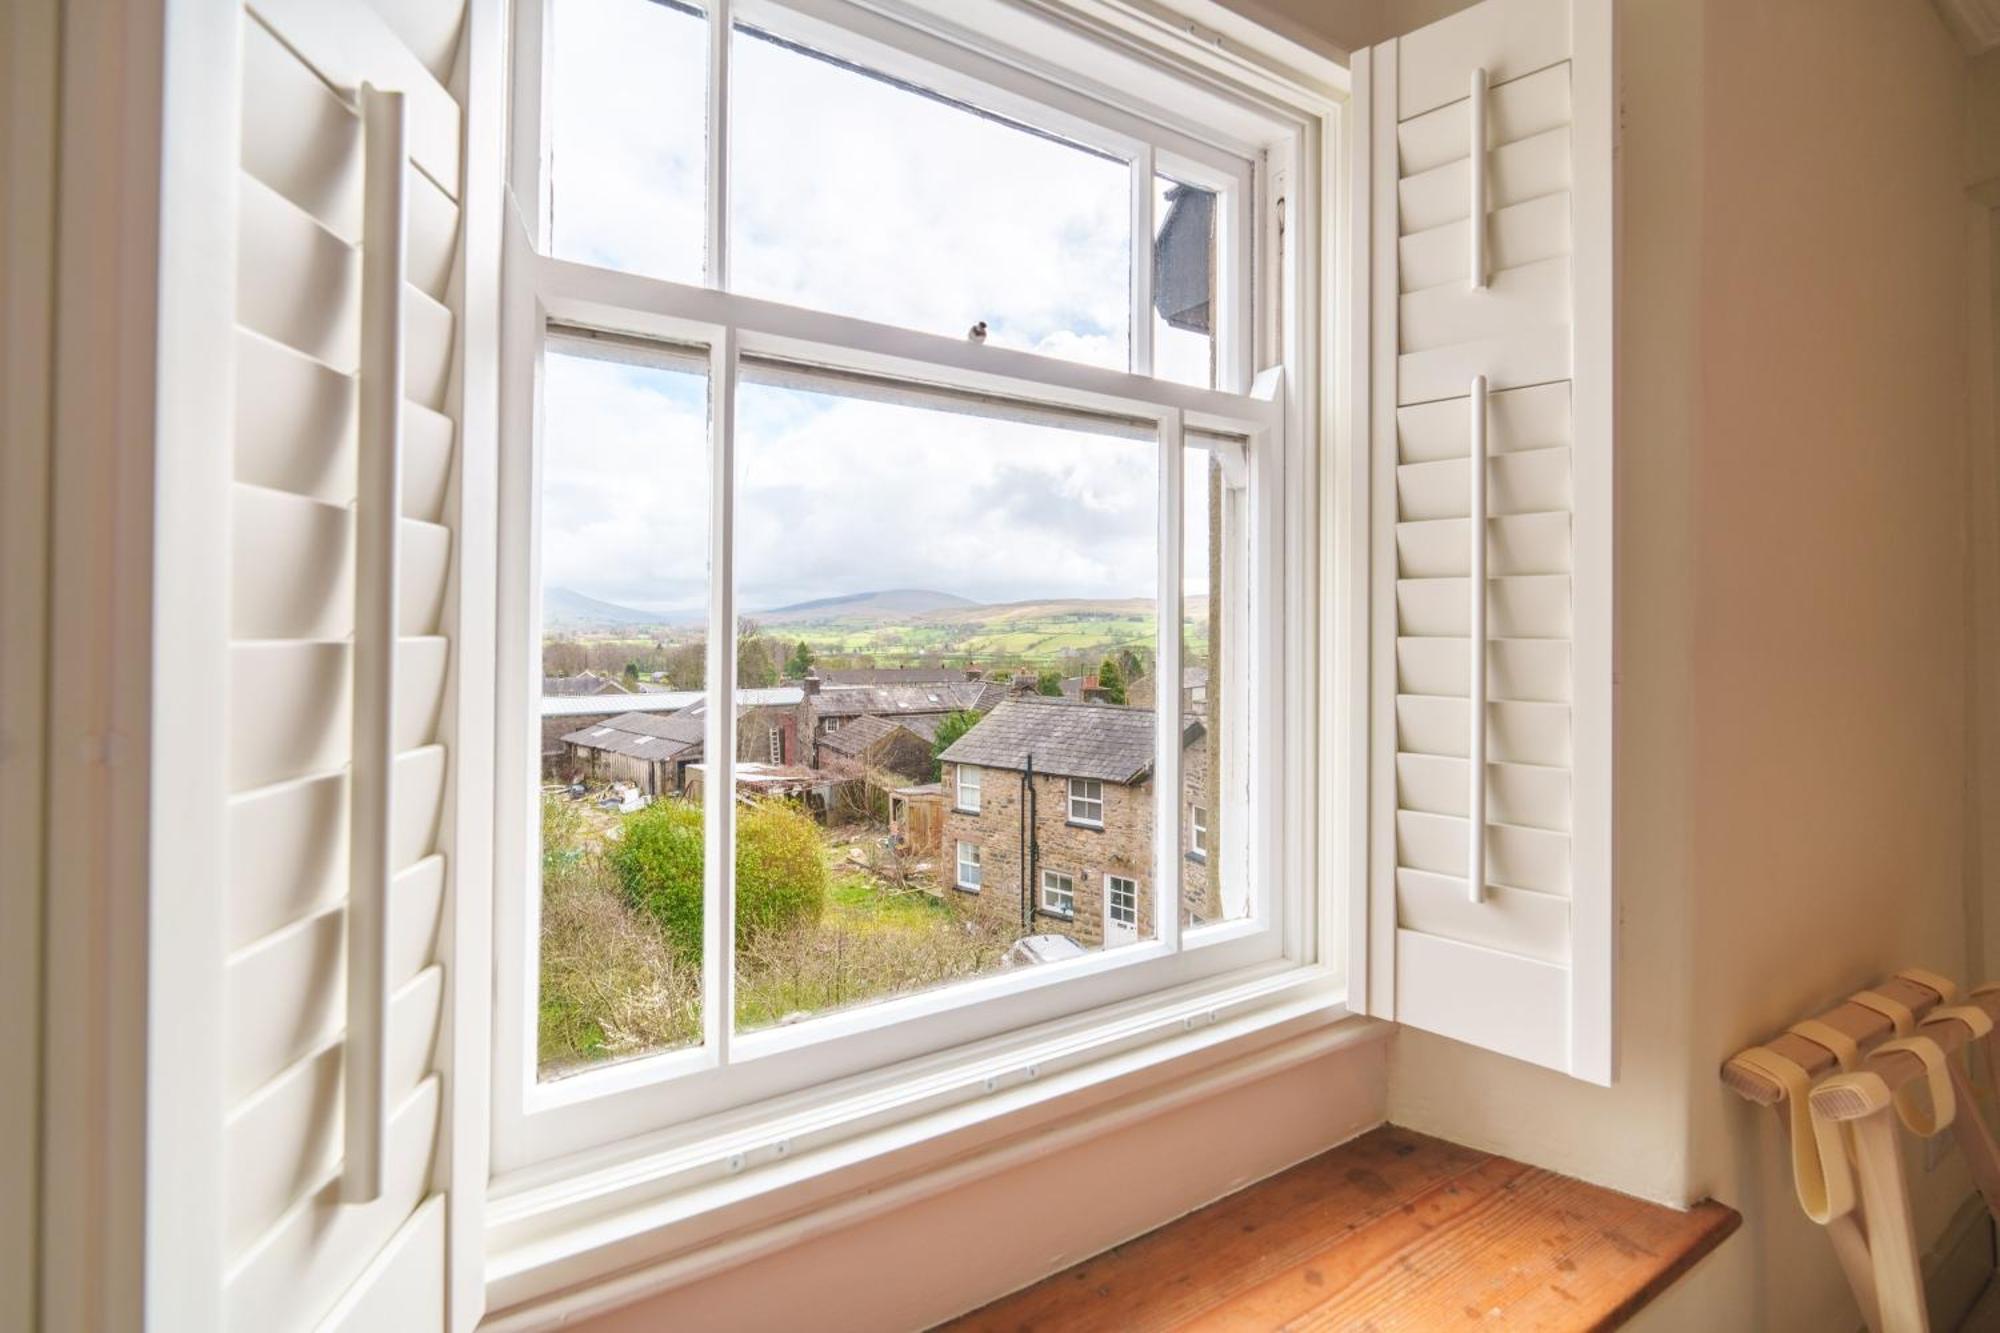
(611, 985)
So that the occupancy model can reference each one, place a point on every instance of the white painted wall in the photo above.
(1792, 606)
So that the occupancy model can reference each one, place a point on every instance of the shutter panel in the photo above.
(298, 1252)
(1483, 295)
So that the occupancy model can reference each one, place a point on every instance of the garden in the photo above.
(823, 921)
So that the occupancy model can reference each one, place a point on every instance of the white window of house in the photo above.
(1121, 901)
(776, 742)
(1198, 830)
(798, 285)
(1059, 892)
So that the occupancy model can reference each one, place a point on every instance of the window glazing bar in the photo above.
(1167, 687)
(718, 968)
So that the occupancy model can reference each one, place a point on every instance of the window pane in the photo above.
(960, 594)
(628, 109)
(1212, 698)
(1184, 273)
(624, 595)
(857, 194)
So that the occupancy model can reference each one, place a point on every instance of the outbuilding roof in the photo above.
(1078, 740)
(641, 735)
(889, 700)
(782, 696)
(887, 675)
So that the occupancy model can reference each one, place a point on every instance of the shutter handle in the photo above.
(1476, 217)
(378, 510)
(1476, 651)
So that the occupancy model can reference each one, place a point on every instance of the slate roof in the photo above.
(886, 675)
(643, 735)
(1076, 740)
(889, 700)
(856, 737)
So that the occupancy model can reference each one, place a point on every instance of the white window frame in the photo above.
(1198, 830)
(1054, 895)
(961, 789)
(1253, 109)
(1081, 799)
(829, 725)
(776, 744)
(978, 870)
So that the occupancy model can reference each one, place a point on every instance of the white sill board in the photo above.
(569, 1248)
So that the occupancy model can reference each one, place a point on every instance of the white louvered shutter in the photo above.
(301, 1249)
(1514, 955)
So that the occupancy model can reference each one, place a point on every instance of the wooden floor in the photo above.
(1392, 1231)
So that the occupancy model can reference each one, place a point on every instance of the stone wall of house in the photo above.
(1124, 846)
(1201, 898)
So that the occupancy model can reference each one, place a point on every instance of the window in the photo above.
(1198, 831)
(1121, 901)
(1058, 893)
(754, 420)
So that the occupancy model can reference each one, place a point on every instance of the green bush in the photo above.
(780, 870)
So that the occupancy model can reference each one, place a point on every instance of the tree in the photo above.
(1131, 664)
(756, 658)
(686, 665)
(1049, 682)
(1111, 681)
(802, 660)
(632, 675)
(950, 728)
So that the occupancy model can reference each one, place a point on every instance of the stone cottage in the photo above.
(1048, 822)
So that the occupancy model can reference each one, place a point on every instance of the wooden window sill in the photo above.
(1394, 1230)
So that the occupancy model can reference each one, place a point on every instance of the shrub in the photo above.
(780, 870)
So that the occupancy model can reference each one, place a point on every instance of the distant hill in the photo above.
(880, 605)
(565, 609)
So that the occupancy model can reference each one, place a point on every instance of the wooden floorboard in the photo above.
(1394, 1231)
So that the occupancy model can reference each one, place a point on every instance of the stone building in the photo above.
(1048, 821)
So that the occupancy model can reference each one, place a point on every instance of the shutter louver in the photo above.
(1513, 954)
(298, 1254)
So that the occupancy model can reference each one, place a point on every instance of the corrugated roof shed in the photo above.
(1074, 740)
(783, 696)
(642, 735)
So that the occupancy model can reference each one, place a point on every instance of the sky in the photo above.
(853, 195)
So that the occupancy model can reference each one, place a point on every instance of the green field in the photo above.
(1070, 636)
